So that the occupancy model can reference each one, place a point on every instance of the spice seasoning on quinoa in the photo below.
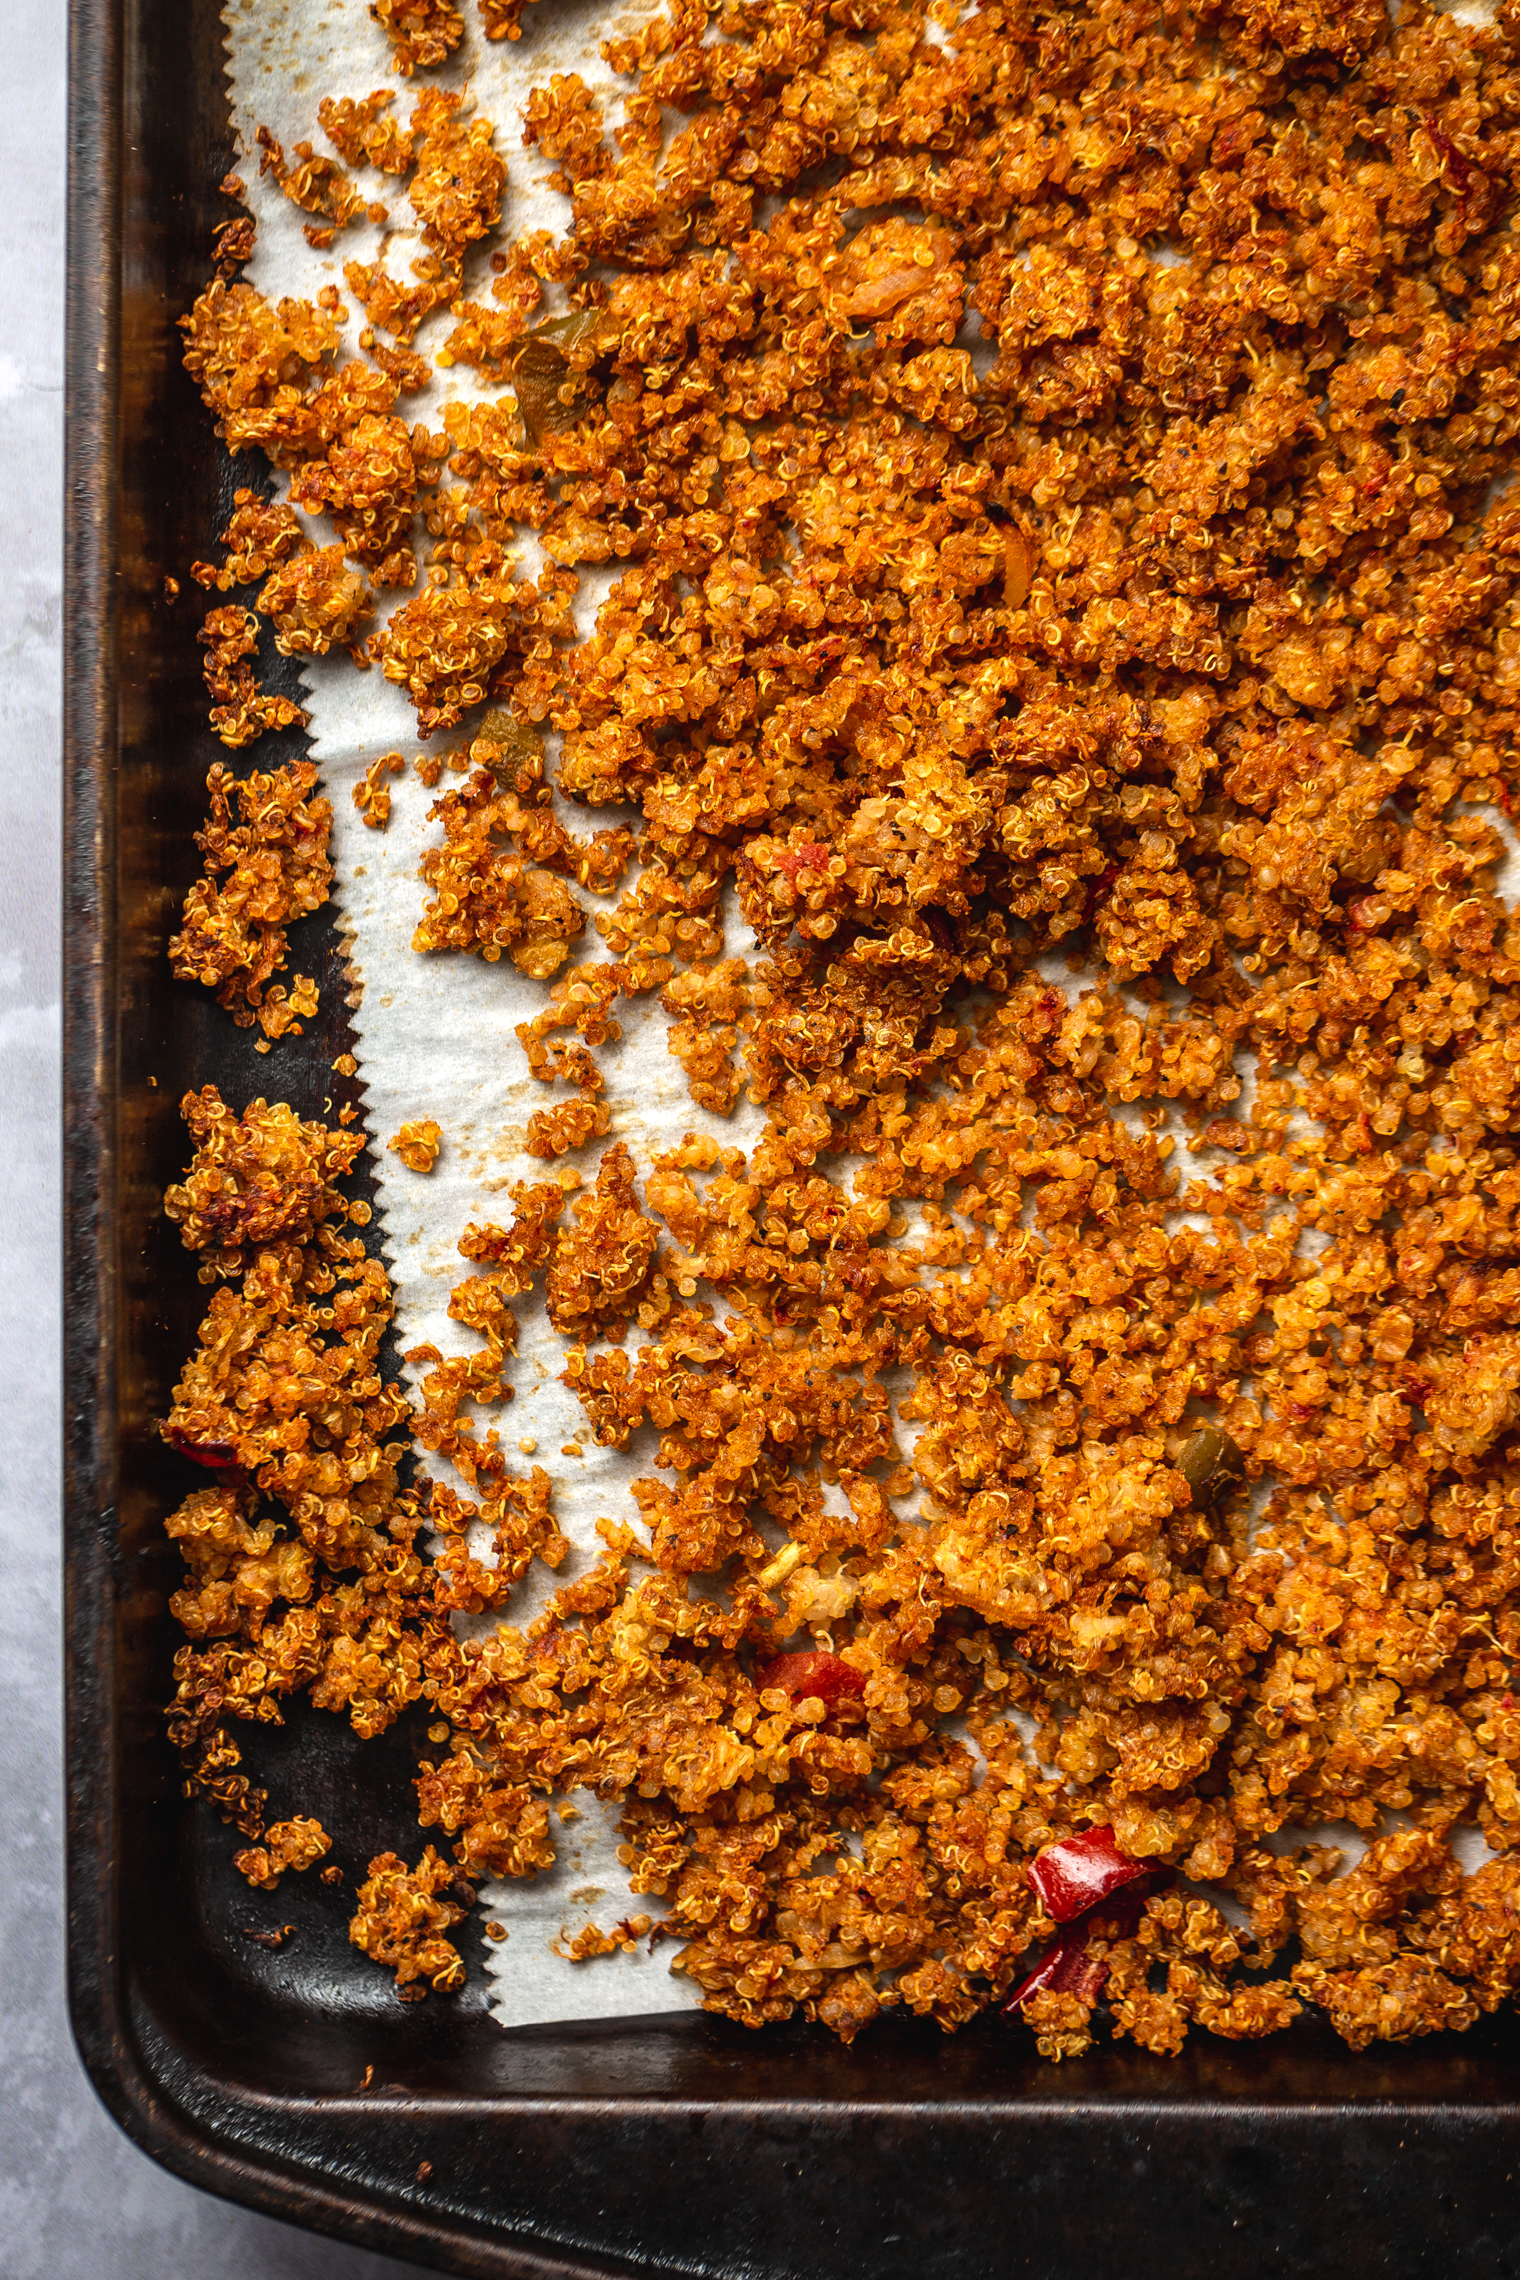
(262, 870)
(417, 1144)
(371, 795)
(363, 132)
(259, 536)
(316, 185)
(422, 33)
(241, 710)
(1165, 619)
(296, 1843)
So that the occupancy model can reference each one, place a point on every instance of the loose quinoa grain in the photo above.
(417, 1144)
(1051, 471)
(371, 795)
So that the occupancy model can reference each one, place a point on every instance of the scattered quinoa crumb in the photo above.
(315, 184)
(417, 1144)
(401, 1922)
(363, 132)
(555, 1131)
(294, 1844)
(242, 710)
(371, 795)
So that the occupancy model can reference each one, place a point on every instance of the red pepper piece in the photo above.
(1097, 888)
(1065, 1968)
(1074, 1875)
(812, 855)
(1461, 169)
(828, 1677)
(1121, 1920)
(221, 1456)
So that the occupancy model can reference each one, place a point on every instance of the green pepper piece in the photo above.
(541, 366)
(1212, 1464)
(518, 746)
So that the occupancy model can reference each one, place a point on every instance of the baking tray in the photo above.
(654, 2146)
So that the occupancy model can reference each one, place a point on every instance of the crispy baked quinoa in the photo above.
(1056, 466)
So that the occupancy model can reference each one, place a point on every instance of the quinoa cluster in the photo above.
(1055, 466)
(265, 845)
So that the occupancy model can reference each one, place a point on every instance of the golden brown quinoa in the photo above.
(421, 32)
(297, 1843)
(569, 1125)
(417, 1143)
(361, 131)
(301, 1572)
(371, 795)
(262, 870)
(242, 710)
(315, 603)
(501, 19)
(400, 1921)
(317, 185)
(1168, 621)
(261, 534)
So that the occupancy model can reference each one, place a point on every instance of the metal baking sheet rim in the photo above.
(1202, 2169)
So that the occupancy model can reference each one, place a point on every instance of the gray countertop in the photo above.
(76, 2198)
